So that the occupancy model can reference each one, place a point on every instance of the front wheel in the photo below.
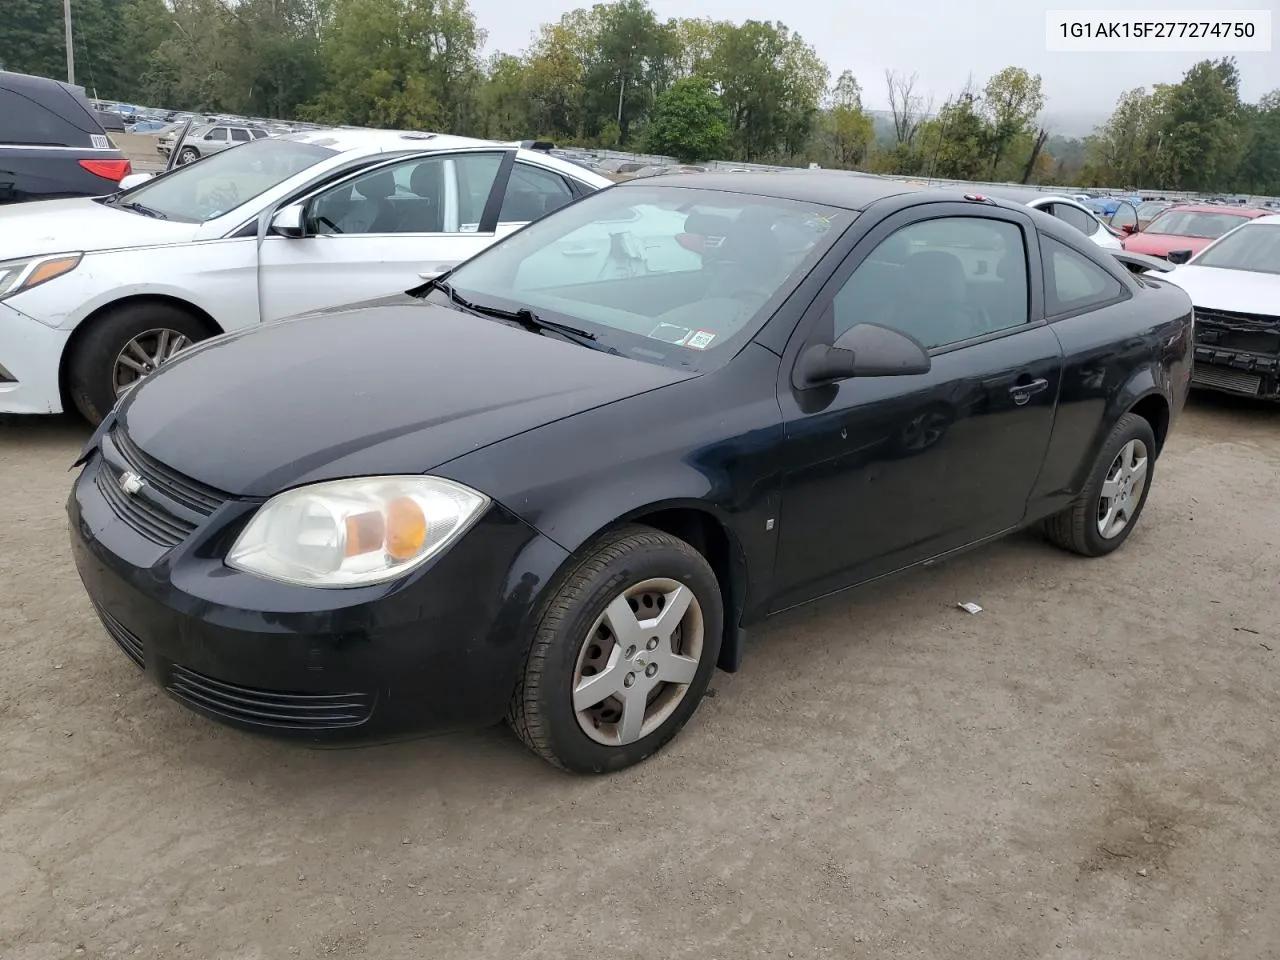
(123, 347)
(1108, 507)
(622, 655)
(188, 155)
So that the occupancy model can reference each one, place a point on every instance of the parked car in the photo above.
(100, 292)
(1234, 283)
(1188, 227)
(215, 139)
(563, 499)
(52, 144)
(1148, 210)
(1067, 210)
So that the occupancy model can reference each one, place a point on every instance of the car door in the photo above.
(215, 140)
(881, 473)
(380, 231)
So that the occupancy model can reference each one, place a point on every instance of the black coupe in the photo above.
(558, 484)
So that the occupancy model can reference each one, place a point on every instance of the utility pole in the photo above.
(71, 53)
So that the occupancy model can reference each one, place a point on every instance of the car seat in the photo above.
(933, 303)
(373, 213)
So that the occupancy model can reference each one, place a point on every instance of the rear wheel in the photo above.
(623, 654)
(124, 346)
(1108, 507)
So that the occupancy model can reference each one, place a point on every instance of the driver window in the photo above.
(403, 198)
(941, 281)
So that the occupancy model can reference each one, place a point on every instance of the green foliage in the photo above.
(614, 75)
(689, 122)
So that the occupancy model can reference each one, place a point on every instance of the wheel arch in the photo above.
(1142, 396)
(100, 312)
(698, 524)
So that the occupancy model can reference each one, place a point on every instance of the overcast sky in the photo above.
(941, 40)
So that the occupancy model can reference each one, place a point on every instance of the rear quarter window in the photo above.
(27, 121)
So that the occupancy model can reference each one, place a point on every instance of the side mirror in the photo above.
(1179, 256)
(289, 221)
(1129, 228)
(864, 350)
(133, 179)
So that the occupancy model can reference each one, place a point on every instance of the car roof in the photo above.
(362, 141)
(1218, 208)
(834, 188)
(1272, 219)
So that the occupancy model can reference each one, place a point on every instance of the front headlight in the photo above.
(19, 275)
(349, 533)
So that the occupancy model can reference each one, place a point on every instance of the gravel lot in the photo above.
(1086, 769)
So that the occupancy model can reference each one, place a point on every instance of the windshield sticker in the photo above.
(700, 340)
(670, 333)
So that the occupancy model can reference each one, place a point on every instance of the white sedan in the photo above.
(1081, 217)
(96, 293)
(1234, 284)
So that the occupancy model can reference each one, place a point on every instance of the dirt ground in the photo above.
(1086, 769)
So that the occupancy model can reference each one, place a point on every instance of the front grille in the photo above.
(190, 493)
(122, 635)
(1247, 332)
(266, 708)
(157, 525)
(1222, 378)
(168, 507)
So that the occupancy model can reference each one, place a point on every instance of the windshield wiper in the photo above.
(531, 321)
(146, 211)
(524, 316)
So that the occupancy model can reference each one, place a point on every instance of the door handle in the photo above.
(1023, 392)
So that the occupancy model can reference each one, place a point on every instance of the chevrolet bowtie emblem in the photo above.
(131, 483)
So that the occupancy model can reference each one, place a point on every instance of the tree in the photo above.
(906, 105)
(771, 82)
(1260, 163)
(1203, 134)
(1011, 100)
(954, 143)
(689, 122)
(504, 101)
(850, 127)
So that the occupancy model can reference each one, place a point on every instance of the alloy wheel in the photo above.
(142, 355)
(637, 661)
(1122, 489)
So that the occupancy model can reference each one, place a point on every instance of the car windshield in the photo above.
(1254, 247)
(1190, 223)
(223, 181)
(672, 275)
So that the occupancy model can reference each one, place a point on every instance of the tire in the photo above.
(188, 155)
(575, 640)
(92, 366)
(1078, 527)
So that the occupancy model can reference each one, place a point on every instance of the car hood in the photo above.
(1236, 291)
(372, 390)
(62, 226)
(1159, 244)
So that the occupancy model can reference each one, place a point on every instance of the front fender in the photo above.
(217, 277)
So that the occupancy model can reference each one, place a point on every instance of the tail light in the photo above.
(115, 170)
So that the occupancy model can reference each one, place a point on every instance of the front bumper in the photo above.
(441, 650)
(30, 353)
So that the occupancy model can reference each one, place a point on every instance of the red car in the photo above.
(1188, 227)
